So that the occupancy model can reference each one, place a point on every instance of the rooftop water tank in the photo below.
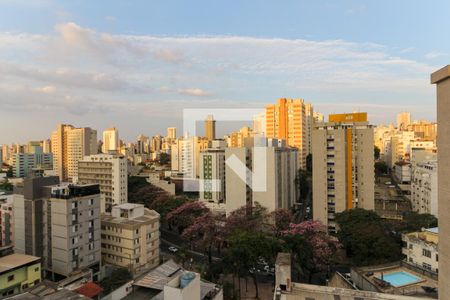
(186, 278)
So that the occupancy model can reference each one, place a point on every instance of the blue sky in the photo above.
(137, 64)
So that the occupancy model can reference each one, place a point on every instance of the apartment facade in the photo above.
(271, 164)
(212, 175)
(343, 172)
(287, 120)
(210, 128)
(6, 221)
(70, 145)
(130, 237)
(424, 188)
(442, 80)
(110, 172)
(110, 140)
(421, 249)
(24, 163)
(186, 155)
(72, 223)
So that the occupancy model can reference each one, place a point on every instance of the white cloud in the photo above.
(193, 92)
(435, 54)
(48, 89)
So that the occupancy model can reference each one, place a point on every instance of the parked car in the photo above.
(173, 249)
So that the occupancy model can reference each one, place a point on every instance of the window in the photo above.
(10, 278)
(36, 269)
(426, 253)
(74, 217)
(91, 201)
(74, 205)
(437, 257)
(91, 213)
(426, 266)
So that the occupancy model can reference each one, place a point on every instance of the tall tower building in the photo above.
(210, 128)
(442, 80)
(70, 145)
(212, 173)
(287, 120)
(343, 172)
(110, 172)
(157, 141)
(403, 120)
(110, 140)
(172, 133)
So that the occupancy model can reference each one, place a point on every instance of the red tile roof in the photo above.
(89, 290)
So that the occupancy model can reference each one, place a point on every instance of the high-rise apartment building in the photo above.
(156, 145)
(210, 128)
(259, 124)
(24, 163)
(110, 140)
(130, 238)
(287, 120)
(110, 172)
(343, 166)
(273, 187)
(403, 120)
(69, 145)
(442, 80)
(186, 154)
(236, 139)
(212, 173)
(28, 206)
(72, 229)
(172, 133)
(423, 129)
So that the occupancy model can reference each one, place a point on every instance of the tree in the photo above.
(309, 163)
(415, 222)
(381, 168)
(281, 219)
(246, 218)
(205, 232)
(185, 215)
(366, 238)
(244, 250)
(165, 205)
(117, 278)
(9, 173)
(311, 247)
(302, 183)
(164, 158)
(376, 153)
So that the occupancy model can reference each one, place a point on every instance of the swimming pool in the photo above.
(398, 279)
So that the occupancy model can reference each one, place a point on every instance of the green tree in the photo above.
(164, 158)
(165, 205)
(366, 238)
(9, 173)
(117, 278)
(381, 168)
(415, 222)
(376, 153)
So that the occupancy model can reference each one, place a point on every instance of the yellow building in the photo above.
(287, 120)
(236, 139)
(17, 273)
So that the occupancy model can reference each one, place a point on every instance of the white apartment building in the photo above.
(343, 172)
(110, 172)
(130, 237)
(6, 221)
(424, 194)
(399, 147)
(70, 145)
(186, 154)
(403, 172)
(269, 166)
(421, 249)
(110, 140)
(24, 163)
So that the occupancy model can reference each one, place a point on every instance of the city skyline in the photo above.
(109, 67)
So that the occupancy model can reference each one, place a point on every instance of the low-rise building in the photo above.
(424, 194)
(421, 249)
(130, 237)
(403, 172)
(18, 272)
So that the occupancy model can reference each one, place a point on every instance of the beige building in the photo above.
(343, 166)
(130, 237)
(421, 249)
(287, 120)
(424, 188)
(442, 80)
(110, 172)
(403, 120)
(275, 184)
(110, 140)
(424, 129)
(72, 229)
(69, 145)
(210, 128)
(172, 133)
(6, 221)
(236, 139)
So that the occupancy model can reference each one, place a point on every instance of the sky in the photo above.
(137, 64)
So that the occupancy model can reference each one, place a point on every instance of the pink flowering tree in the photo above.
(280, 220)
(184, 216)
(312, 248)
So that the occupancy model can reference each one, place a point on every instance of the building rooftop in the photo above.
(89, 290)
(149, 215)
(16, 260)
